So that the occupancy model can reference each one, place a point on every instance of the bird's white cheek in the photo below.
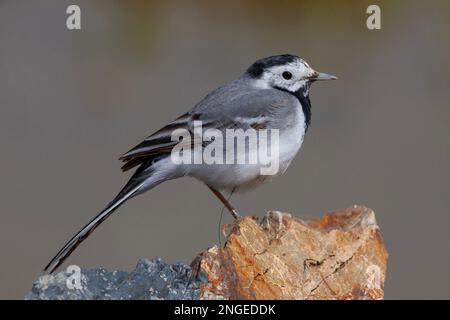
(297, 85)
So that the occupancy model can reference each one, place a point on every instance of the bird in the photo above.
(272, 94)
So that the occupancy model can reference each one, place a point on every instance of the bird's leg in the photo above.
(225, 203)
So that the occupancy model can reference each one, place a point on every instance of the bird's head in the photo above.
(285, 72)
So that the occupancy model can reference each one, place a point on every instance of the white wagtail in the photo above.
(273, 94)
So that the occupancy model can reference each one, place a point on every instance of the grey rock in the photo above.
(150, 280)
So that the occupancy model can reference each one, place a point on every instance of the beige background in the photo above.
(72, 102)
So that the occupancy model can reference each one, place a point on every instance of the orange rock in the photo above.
(339, 256)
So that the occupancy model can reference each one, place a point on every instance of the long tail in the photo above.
(132, 188)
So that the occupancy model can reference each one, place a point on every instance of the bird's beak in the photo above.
(319, 76)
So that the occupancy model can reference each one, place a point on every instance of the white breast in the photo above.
(291, 139)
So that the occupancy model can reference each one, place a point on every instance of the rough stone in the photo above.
(339, 256)
(150, 280)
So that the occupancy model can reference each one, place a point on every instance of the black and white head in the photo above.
(285, 72)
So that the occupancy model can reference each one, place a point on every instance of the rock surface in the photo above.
(150, 280)
(339, 256)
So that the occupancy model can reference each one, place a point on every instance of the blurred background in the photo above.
(71, 102)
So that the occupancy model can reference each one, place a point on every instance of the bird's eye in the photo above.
(287, 75)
